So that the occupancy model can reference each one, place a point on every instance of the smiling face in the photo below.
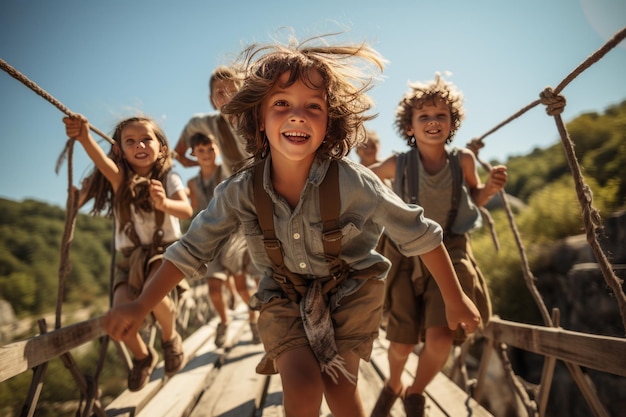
(431, 124)
(205, 153)
(295, 119)
(140, 146)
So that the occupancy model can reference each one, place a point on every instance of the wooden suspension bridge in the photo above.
(222, 381)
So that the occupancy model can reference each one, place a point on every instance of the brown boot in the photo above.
(142, 369)
(385, 401)
(414, 405)
(173, 355)
(220, 334)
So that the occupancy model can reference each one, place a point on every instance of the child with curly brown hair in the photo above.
(444, 181)
(312, 218)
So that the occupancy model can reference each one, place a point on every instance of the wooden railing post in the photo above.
(547, 373)
(36, 384)
(482, 369)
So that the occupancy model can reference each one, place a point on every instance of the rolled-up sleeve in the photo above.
(406, 225)
(208, 233)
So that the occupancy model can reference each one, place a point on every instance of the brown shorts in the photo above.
(416, 305)
(356, 321)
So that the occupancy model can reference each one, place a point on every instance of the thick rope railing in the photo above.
(88, 385)
(43, 93)
(555, 104)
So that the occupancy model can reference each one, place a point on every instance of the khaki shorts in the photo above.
(416, 305)
(234, 259)
(356, 321)
(124, 266)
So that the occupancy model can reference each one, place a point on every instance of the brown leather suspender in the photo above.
(293, 284)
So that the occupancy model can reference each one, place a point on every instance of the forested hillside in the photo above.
(30, 239)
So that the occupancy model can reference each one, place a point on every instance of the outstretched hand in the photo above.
(123, 320)
(464, 314)
(497, 179)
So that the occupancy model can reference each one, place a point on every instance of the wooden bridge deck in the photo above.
(223, 382)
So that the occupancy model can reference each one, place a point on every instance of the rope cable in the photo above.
(41, 92)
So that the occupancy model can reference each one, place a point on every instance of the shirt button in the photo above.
(302, 265)
(296, 236)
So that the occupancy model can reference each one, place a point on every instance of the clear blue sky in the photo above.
(110, 59)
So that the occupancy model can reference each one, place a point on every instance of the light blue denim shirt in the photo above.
(367, 206)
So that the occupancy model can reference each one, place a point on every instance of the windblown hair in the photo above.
(345, 86)
(223, 73)
(134, 188)
(420, 94)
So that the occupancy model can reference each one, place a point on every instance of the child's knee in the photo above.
(439, 338)
(400, 349)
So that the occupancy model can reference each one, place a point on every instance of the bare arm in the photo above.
(385, 170)
(177, 205)
(460, 310)
(127, 318)
(482, 193)
(180, 153)
(78, 128)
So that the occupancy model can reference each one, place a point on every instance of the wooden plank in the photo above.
(236, 387)
(19, 357)
(380, 362)
(178, 396)
(272, 405)
(603, 353)
(443, 396)
(370, 385)
(130, 403)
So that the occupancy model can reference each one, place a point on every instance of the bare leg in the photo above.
(217, 299)
(164, 312)
(230, 286)
(133, 342)
(432, 358)
(302, 382)
(343, 397)
(241, 283)
(397, 354)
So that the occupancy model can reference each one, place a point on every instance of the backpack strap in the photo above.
(410, 160)
(157, 237)
(454, 158)
(404, 160)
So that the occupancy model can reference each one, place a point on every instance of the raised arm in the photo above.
(78, 128)
(180, 153)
